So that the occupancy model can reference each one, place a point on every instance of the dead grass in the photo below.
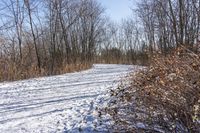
(10, 71)
(163, 98)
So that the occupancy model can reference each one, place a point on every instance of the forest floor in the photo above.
(63, 103)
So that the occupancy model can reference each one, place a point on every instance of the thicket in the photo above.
(164, 97)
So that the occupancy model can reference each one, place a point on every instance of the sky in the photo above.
(118, 9)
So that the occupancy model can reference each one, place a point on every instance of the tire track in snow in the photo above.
(56, 103)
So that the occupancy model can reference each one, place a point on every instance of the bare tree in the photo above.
(28, 6)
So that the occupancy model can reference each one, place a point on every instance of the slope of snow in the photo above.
(64, 103)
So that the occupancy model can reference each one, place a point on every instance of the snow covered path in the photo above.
(58, 103)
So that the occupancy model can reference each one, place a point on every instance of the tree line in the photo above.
(45, 36)
(56, 36)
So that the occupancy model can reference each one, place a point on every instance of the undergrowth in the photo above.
(165, 97)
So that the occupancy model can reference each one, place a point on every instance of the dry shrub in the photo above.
(162, 98)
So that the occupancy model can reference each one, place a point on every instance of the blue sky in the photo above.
(118, 9)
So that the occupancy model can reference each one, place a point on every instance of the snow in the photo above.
(57, 104)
